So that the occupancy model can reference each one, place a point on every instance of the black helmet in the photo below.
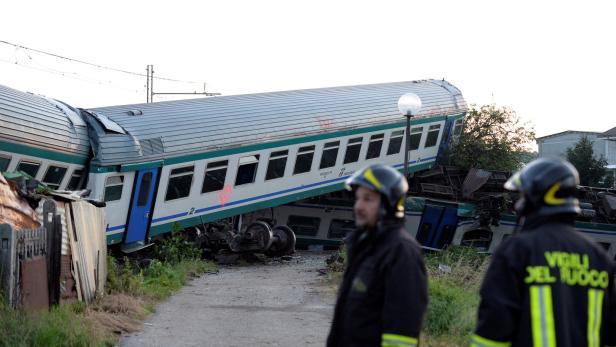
(547, 187)
(384, 180)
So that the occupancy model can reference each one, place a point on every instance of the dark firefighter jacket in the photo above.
(383, 296)
(547, 286)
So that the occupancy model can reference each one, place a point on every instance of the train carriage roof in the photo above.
(163, 130)
(35, 125)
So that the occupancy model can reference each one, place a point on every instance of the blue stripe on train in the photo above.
(204, 209)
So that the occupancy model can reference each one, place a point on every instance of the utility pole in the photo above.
(149, 82)
(150, 87)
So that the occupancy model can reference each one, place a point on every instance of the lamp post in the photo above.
(409, 105)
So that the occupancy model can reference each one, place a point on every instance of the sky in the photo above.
(553, 62)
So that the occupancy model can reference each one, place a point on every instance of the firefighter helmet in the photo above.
(384, 180)
(547, 187)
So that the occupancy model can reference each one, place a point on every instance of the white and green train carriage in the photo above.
(435, 223)
(197, 161)
(43, 138)
(194, 162)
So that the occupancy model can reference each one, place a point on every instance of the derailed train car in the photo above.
(196, 162)
(437, 222)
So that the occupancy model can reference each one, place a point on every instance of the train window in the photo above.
(113, 188)
(303, 225)
(605, 245)
(303, 162)
(53, 176)
(415, 138)
(277, 164)
(29, 167)
(144, 190)
(4, 162)
(433, 132)
(457, 128)
(339, 228)
(478, 239)
(352, 150)
(180, 180)
(374, 148)
(330, 154)
(215, 174)
(395, 142)
(247, 170)
(75, 182)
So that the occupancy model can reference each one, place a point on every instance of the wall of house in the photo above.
(556, 146)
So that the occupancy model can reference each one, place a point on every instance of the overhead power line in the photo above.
(74, 76)
(92, 64)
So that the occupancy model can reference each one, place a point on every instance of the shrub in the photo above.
(177, 247)
(123, 278)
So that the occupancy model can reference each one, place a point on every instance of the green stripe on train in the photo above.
(261, 146)
(114, 238)
(582, 225)
(42, 153)
(210, 217)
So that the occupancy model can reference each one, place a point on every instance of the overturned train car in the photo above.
(437, 222)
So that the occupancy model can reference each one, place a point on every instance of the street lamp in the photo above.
(409, 105)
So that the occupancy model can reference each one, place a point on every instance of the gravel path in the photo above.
(273, 304)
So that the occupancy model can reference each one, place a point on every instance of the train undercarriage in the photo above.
(262, 235)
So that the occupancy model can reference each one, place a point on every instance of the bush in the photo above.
(179, 261)
(123, 278)
(177, 247)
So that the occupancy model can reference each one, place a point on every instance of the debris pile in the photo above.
(53, 246)
(485, 189)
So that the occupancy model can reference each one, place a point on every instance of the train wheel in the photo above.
(261, 233)
(283, 243)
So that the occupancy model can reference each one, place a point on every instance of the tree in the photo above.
(493, 138)
(592, 171)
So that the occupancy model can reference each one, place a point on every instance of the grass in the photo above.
(61, 326)
(155, 282)
(454, 278)
(132, 294)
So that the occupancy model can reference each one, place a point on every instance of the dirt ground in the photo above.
(276, 303)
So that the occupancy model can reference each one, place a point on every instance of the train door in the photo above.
(429, 224)
(446, 228)
(438, 226)
(141, 205)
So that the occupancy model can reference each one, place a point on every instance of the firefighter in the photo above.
(383, 295)
(547, 285)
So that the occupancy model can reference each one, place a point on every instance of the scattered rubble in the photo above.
(53, 245)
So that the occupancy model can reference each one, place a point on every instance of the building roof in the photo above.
(163, 130)
(609, 133)
(567, 132)
(42, 123)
